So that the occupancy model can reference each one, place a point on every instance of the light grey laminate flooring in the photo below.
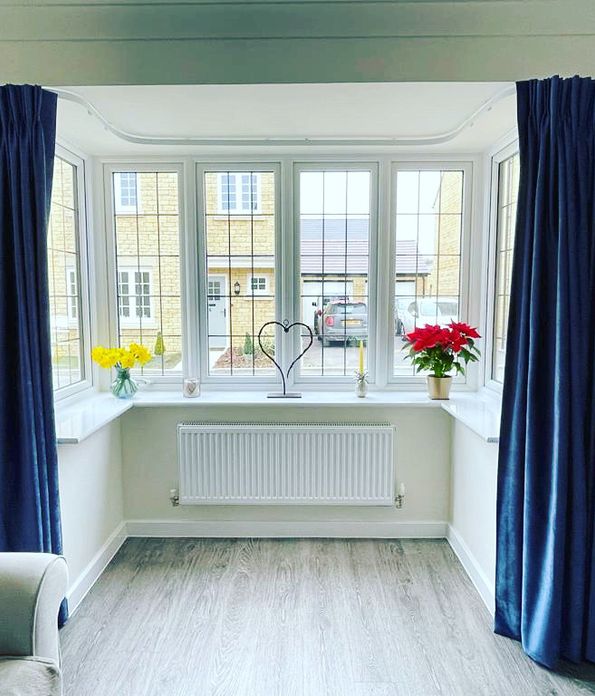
(295, 617)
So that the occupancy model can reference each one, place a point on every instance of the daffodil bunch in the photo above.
(121, 358)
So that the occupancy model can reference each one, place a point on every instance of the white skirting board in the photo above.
(482, 583)
(85, 581)
(335, 529)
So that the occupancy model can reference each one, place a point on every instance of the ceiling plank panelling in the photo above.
(213, 62)
(167, 3)
(248, 42)
(282, 21)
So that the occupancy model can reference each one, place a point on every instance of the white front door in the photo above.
(217, 306)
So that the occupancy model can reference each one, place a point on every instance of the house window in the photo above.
(126, 192)
(335, 227)
(135, 297)
(147, 259)
(506, 196)
(72, 290)
(259, 285)
(428, 234)
(240, 269)
(65, 244)
(239, 193)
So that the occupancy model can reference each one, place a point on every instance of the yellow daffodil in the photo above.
(127, 359)
(121, 357)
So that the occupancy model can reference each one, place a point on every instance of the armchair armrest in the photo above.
(32, 587)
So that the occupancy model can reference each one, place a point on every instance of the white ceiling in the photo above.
(366, 110)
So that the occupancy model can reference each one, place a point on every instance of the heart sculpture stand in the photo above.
(286, 326)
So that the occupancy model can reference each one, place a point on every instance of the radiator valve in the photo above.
(174, 497)
(400, 497)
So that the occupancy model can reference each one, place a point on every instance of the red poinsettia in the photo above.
(443, 348)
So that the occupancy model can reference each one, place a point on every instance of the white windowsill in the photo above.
(79, 420)
(479, 411)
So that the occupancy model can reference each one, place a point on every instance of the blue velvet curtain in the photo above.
(29, 501)
(545, 575)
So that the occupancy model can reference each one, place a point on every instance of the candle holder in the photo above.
(361, 384)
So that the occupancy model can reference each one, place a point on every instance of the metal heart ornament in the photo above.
(286, 326)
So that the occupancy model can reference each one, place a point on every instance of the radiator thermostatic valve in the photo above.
(174, 497)
(400, 497)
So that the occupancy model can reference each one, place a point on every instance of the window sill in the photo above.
(479, 411)
(80, 419)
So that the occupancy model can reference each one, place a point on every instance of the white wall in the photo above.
(150, 471)
(91, 505)
(472, 530)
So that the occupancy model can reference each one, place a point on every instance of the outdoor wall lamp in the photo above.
(236, 288)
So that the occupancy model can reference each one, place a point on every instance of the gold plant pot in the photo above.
(439, 387)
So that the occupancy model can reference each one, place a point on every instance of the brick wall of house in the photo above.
(444, 278)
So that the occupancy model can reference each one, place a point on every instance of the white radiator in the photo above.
(299, 464)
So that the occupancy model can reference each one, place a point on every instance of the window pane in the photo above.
(240, 242)
(508, 182)
(428, 253)
(64, 278)
(148, 267)
(334, 247)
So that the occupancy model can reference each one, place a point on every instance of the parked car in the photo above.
(341, 321)
(320, 303)
(429, 310)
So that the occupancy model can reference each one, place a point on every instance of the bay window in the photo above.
(317, 242)
(69, 318)
(505, 174)
(427, 279)
(239, 237)
(146, 223)
(335, 227)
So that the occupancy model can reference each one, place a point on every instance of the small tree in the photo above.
(248, 345)
(159, 344)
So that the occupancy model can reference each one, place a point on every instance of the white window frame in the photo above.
(238, 209)
(134, 320)
(466, 312)
(82, 273)
(259, 291)
(500, 153)
(338, 164)
(187, 262)
(199, 303)
(194, 274)
(117, 195)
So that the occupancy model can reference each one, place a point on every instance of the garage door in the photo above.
(312, 293)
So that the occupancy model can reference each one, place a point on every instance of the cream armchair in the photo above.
(32, 586)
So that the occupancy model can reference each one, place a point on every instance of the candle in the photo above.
(361, 357)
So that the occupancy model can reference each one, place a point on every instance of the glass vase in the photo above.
(361, 385)
(124, 387)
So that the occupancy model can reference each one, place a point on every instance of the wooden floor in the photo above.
(191, 617)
